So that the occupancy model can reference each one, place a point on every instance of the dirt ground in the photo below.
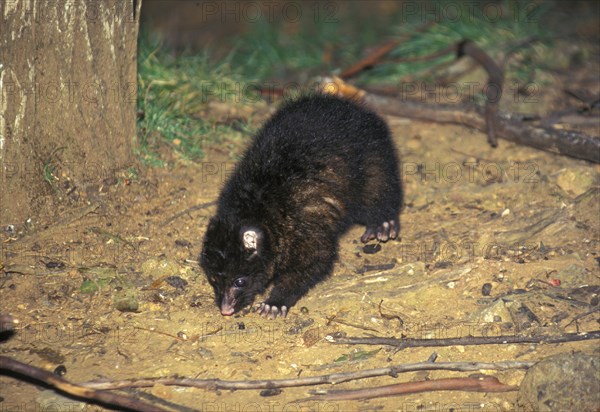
(493, 242)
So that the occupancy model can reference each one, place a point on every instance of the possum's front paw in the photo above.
(272, 311)
(387, 230)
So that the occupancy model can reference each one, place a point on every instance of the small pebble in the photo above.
(270, 392)
(54, 265)
(61, 370)
(205, 353)
(372, 248)
(183, 243)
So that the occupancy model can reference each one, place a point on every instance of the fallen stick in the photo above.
(564, 142)
(333, 378)
(508, 127)
(107, 398)
(467, 340)
(483, 384)
(493, 88)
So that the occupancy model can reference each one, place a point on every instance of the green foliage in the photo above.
(494, 29)
(172, 93)
(321, 42)
(274, 51)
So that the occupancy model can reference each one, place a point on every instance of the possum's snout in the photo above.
(228, 302)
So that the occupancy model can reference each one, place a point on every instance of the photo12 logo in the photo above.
(453, 172)
(53, 11)
(269, 11)
(94, 92)
(469, 10)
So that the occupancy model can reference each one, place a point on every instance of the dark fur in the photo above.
(318, 166)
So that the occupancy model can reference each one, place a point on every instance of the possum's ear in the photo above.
(251, 239)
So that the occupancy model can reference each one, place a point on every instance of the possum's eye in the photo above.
(240, 282)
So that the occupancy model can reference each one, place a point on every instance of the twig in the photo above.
(188, 210)
(582, 315)
(389, 317)
(587, 105)
(467, 340)
(353, 325)
(493, 89)
(21, 269)
(159, 332)
(107, 398)
(381, 51)
(483, 384)
(370, 60)
(333, 378)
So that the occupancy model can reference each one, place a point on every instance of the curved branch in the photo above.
(467, 340)
(107, 398)
(483, 384)
(333, 378)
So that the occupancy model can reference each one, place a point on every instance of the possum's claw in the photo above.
(272, 312)
(387, 230)
(368, 235)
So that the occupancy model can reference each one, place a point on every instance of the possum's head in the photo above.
(234, 258)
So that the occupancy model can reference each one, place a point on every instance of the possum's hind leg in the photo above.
(382, 199)
(296, 280)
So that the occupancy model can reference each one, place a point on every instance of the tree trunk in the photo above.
(67, 102)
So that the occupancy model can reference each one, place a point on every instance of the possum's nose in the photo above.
(227, 307)
(227, 310)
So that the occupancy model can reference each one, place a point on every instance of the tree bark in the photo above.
(68, 91)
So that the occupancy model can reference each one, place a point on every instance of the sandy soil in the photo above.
(494, 242)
